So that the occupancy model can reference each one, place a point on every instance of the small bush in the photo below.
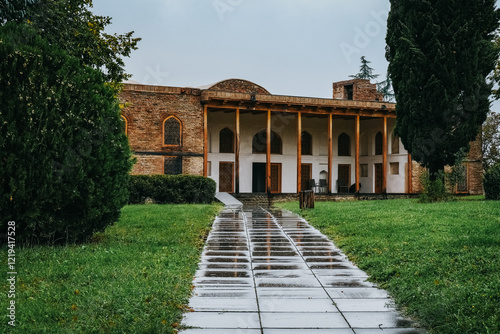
(434, 190)
(491, 183)
(174, 189)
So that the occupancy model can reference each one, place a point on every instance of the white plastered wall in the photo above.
(286, 128)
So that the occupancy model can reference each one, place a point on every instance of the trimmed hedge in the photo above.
(171, 189)
(491, 182)
(64, 159)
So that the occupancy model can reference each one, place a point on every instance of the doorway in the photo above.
(259, 177)
(344, 179)
(226, 177)
(379, 173)
(306, 175)
(276, 178)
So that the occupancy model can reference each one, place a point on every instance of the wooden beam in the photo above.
(357, 154)
(205, 140)
(299, 152)
(330, 153)
(313, 110)
(268, 152)
(237, 153)
(384, 158)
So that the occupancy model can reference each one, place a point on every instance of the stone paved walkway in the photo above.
(270, 272)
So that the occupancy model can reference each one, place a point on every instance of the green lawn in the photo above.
(441, 262)
(133, 278)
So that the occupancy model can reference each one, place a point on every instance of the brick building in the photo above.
(221, 131)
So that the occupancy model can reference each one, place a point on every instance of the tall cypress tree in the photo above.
(440, 53)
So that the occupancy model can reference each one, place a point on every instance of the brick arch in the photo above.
(239, 86)
(125, 124)
(172, 131)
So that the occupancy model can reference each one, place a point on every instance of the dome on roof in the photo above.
(237, 86)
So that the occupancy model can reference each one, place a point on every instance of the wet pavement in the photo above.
(270, 272)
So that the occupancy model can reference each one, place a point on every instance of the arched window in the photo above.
(394, 144)
(344, 145)
(259, 143)
(226, 141)
(124, 124)
(172, 129)
(363, 144)
(379, 143)
(306, 143)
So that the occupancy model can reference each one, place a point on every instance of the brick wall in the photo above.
(363, 90)
(474, 170)
(239, 86)
(146, 108)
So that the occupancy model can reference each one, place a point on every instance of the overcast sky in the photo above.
(290, 47)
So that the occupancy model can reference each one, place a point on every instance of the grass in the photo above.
(440, 262)
(133, 278)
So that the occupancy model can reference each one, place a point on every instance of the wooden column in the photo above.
(268, 152)
(410, 176)
(205, 140)
(384, 158)
(299, 151)
(237, 153)
(330, 154)
(357, 154)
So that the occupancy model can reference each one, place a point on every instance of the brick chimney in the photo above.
(356, 89)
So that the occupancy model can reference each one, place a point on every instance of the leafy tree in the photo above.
(385, 88)
(64, 160)
(72, 26)
(440, 53)
(365, 71)
(491, 140)
(496, 72)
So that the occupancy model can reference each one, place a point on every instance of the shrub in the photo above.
(434, 190)
(491, 183)
(64, 160)
(175, 189)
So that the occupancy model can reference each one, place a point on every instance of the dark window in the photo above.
(173, 165)
(344, 145)
(379, 139)
(226, 141)
(172, 131)
(259, 143)
(349, 92)
(306, 140)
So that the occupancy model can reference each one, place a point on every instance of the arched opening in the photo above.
(306, 143)
(172, 129)
(379, 143)
(226, 141)
(344, 145)
(124, 124)
(259, 143)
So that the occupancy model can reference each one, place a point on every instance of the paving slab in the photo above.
(303, 320)
(270, 272)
